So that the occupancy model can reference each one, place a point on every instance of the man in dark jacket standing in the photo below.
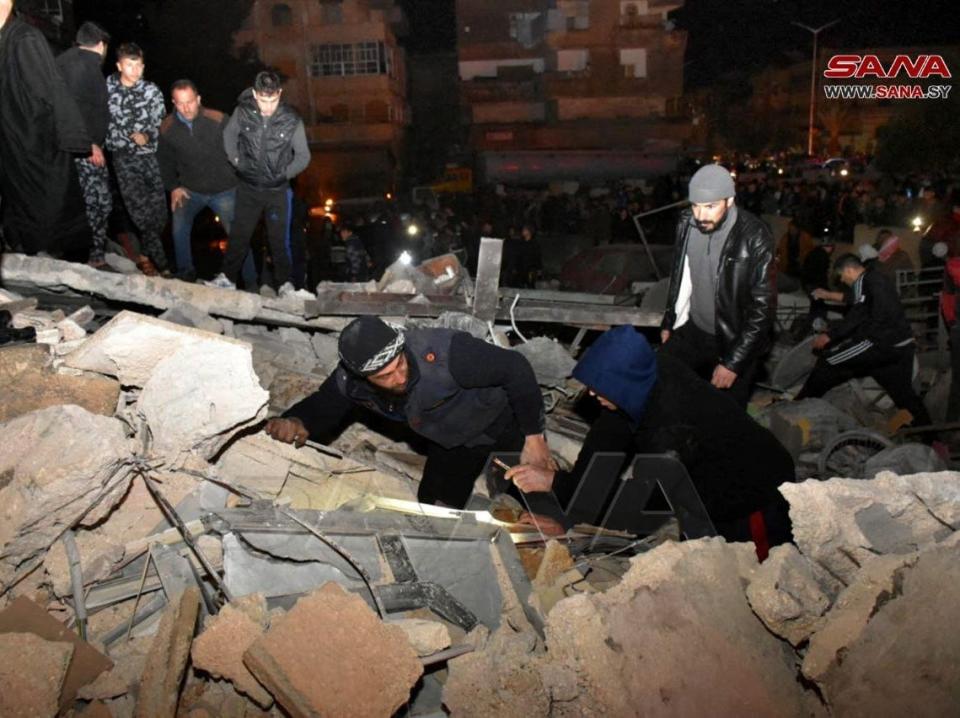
(81, 70)
(466, 397)
(267, 143)
(720, 304)
(41, 130)
(873, 339)
(194, 168)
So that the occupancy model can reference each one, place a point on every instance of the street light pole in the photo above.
(813, 78)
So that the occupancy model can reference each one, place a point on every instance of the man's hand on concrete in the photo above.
(536, 452)
(530, 479)
(178, 197)
(821, 340)
(664, 335)
(289, 431)
(96, 156)
(139, 138)
(723, 378)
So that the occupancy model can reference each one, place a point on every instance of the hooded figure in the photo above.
(653, 403)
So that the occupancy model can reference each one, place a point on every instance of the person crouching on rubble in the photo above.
(467, 397)
(654, 403)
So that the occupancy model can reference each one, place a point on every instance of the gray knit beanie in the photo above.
(711, 183)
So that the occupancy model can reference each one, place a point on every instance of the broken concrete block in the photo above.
(27, 384)
(906, 661)
(219, 651)
(879, 579)
(551, 361)
(904, 459)
(70, 331)
(555, 562)
(31, 673)
(199, 396)
(25, 616)
(841, 523)
(679, 611)
(135, 288)
(325, 347)
(188, 316)
(818, 420)
(49, 336)
(308, 676)
(425, 636)
(121, 264)
(83, 316)
(60, 466)
(131, 345)
(790, 593)
(160, 683)
(504, 679)
(462, 322)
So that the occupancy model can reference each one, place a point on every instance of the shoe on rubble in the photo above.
(220, 282)
(287, 290)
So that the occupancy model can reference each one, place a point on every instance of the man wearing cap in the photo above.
(720, 304)
(466, 397)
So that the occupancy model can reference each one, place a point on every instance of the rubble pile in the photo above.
(161, 556)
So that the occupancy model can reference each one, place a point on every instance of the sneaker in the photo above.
(220, 282)
(286, 290)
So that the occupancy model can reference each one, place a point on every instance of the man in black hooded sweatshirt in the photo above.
(654, 403)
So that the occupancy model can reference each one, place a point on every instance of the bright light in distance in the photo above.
(779, 170)
(844, 172)
(405, 259)
(216, 218)
(917, 223)
(413, 230)
(389, 196)
(328, 203)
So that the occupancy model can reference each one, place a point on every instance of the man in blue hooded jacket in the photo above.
(654, 403)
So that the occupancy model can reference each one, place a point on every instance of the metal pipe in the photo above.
(76, 581)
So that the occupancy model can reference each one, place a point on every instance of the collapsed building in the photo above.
(161, 556)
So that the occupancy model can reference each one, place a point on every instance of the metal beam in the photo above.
(487, 289)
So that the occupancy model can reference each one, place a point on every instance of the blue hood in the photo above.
(622, 367)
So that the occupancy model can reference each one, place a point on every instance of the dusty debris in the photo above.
(307, 676)
(841, 523)
(61, 466)
(903, 460)
(790, 593)
(189, 316)
(27, 384)
(425, 636)
(31, 673)
(551, 361)
(226, 637)
(159, 689)
(555, 562)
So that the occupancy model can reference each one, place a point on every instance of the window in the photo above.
(572, 60)
(281, 15)
(631, 10)
(331, 12)
(576, 14)
(361, 58)
(527, 28)
(634, 61)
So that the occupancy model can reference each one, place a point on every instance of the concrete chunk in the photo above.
(790, 593)
(27, 384)
(842, 523)
(31, 675)
(219, 651)
(425, 636)
(160, 683)
(331, 656)
(199, 396)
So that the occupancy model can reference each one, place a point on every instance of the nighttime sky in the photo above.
(727, 35)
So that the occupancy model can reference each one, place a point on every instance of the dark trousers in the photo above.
(141, 187)
(953, 402)
(251, 204)
(449, 474)
(700, 351)
(95, 184)
(890, 367)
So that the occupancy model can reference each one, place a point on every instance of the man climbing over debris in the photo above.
(466, 397)
(654, 403)
(873, 339)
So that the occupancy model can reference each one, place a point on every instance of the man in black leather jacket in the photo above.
(721, 301)
(266, 141)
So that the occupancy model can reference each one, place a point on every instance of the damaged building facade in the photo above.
(160, 555)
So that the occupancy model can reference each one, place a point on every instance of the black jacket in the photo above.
(82, 71)
(745, 300)
(195, 158)
(876, 313)
(267, 151)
